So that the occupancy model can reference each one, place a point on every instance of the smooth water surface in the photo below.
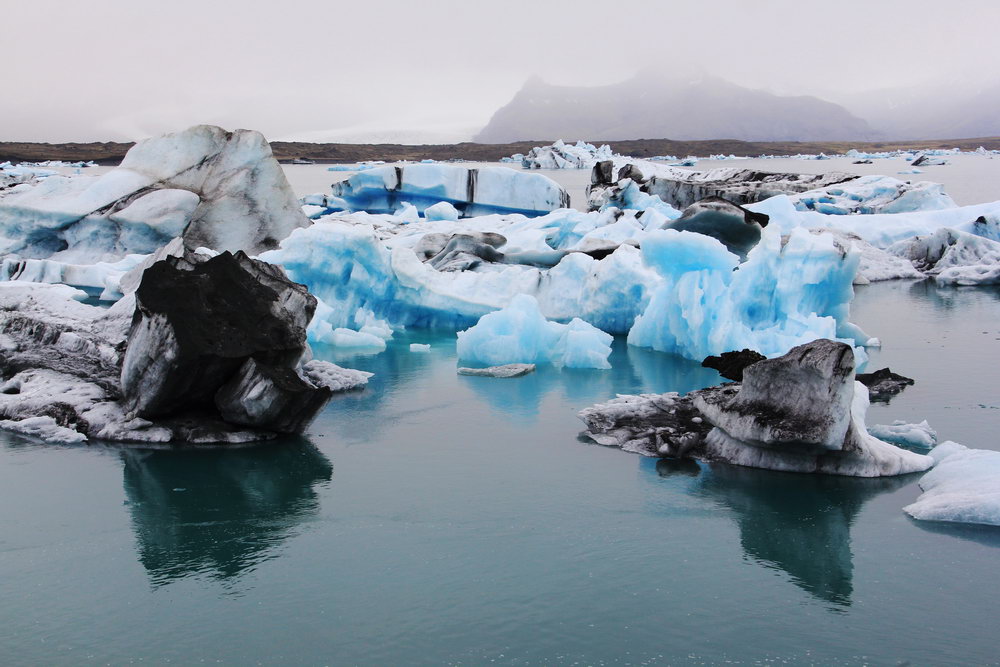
(439, 519)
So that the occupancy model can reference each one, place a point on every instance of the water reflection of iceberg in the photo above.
(800, 524)
(633, 370)
(398, 371)
(218, 512)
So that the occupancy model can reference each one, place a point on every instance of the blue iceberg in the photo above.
(470, 190)
(520, 333)
(785, 294)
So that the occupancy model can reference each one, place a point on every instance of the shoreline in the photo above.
(111, 153)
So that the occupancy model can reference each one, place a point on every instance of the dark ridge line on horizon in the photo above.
(111, 153)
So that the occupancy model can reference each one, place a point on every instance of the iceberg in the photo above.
(964, 487)
(520, 334)
(785, 294)
(953, 257)
(883, 229)
(564, 156)
(925, 160)
(447, 274)
(883, 384)
(640, 183)
(217, 189)
(442, 211)
(913, 436)
(683, 187)
(740, 186)
(348, 266)
(471, 191)
(801, 412)
(106, 276)
(874, 194)
(174, 360)
(505, 371)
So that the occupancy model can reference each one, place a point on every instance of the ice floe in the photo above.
(963, 487)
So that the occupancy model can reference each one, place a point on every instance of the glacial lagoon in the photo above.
(440, 519)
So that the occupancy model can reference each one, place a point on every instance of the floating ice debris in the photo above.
(504, 371)
(420, 347)
(963, 487)
(441, 211)
(924, 160)
(914, 436)
(883, 384)
(520, 333)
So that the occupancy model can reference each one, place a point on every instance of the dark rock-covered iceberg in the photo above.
(212, 354)
(802, 412)
(681, 188)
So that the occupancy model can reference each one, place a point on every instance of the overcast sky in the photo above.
(368, 69)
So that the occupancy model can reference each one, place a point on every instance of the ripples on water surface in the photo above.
(440, 519)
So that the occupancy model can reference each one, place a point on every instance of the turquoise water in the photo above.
(440, 519)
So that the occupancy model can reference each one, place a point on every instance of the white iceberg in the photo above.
(219, 189)
(561, 155)
(963, 487)
(884, 229)
(442, 211)
(953, 257)
(874, 194)
(919, 436)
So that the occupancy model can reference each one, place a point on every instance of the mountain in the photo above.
(956, 111)
(654, 106)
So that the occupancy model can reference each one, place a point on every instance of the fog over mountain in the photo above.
(436, 72)
(654, 106)
(955, 111)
